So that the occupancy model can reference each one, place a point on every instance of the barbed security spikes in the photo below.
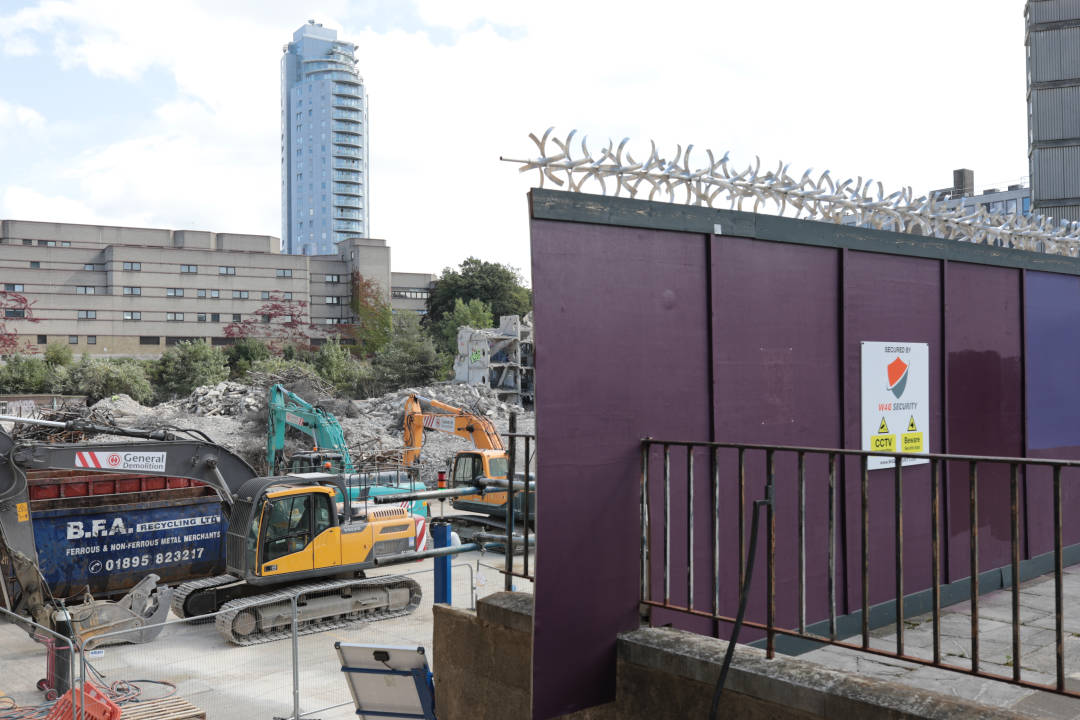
(717, 183)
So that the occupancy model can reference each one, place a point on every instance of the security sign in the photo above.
(895, 400)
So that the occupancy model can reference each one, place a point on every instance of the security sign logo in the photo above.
(114, 460)
(898, 376)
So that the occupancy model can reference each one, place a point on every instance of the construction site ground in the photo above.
(1037, 657)
(255, 682)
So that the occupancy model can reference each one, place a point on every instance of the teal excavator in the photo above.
(329, 453)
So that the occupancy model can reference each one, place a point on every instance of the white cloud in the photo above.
(20, 116)
(845, 90)
(23, 203)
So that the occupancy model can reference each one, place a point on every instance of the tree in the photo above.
(409, 359)
(14, 307)
(244, 353)
(279, 322)
(58, 354)
(186, 366)
(374, 319)
(500, 286)
(23, 374)
(100, 378)
(475, 313)
(337, 366)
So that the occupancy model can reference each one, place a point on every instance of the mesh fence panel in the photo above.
(193, 661)
(32, 659)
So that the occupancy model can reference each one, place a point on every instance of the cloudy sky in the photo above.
(166, 114)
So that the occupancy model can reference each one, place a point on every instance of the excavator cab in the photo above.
(328, 461)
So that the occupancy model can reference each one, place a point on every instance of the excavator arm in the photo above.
(425, 413)
(287, 409)
(163, 455)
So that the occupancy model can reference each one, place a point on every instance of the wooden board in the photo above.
(172, 708)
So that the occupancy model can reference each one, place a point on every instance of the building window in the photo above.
(284, 273)
(286, 296)
(174, 292)
(91, 339)
(46, 243)
(35, 264)
(201, 292)
(132, 315)
(226, 270)
(215, 317)
(13, 287)
(333, 278)
(87, 315)
(189, 268)
(333, 300)
(65, 243)
(14, 313)
(133, 266)
(89, 266)
(201, 317)
(149, 340)
(240, 294)
(27, 242)
(236, 317)
(265, 318)
(174, 317)
(84, 290)
(133, 291)
(264, 295)
(73, 339)
(42, 339)
(332, 321)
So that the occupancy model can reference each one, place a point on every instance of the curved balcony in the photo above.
(345, 101)
(347, 115)
(341, 151)
(351, 140)
(346, 77)
(347, 176)
(350, 126)
(348, 225)
(348, 189)
(345, 201)
(348, 215)
(346, 164)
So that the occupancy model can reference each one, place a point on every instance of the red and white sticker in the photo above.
(421, 531)
(443, 423)
(144, 461)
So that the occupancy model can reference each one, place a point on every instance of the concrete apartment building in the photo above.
(1052, 39)
(324, 149)
(134, 291)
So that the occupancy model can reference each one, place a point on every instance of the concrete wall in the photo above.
(482, 671)
(733, 327)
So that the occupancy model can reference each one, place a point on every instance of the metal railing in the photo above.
(528, 505)
(663, 586)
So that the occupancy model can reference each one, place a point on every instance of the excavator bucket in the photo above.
(141, 613)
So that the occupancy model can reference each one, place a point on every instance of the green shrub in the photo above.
(100, 378)
(186, 366)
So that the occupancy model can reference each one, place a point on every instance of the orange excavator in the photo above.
(488, 460)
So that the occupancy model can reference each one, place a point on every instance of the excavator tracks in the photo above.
(184, 590)
(321, 606)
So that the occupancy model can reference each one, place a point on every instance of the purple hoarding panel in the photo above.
(777, 382)
(1052, 328)
(888, 298)
(983, 366)
(623, 317)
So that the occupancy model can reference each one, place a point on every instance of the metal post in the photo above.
(440, 533)
(296, 657)
(62, 658)
(508, 576)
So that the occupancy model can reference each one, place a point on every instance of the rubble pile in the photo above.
(235, 415)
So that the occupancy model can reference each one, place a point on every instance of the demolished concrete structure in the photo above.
(499, 358)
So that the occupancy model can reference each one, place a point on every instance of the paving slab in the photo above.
(1038, 650)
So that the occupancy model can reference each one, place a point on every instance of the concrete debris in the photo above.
(234, 415)
(225, 398)
(499, 358)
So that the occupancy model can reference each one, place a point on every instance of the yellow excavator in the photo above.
(286, 535)
(487, 461)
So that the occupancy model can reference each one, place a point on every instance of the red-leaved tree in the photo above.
(14, 308)
(278, 322)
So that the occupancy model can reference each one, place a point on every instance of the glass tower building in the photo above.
(324, 150)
